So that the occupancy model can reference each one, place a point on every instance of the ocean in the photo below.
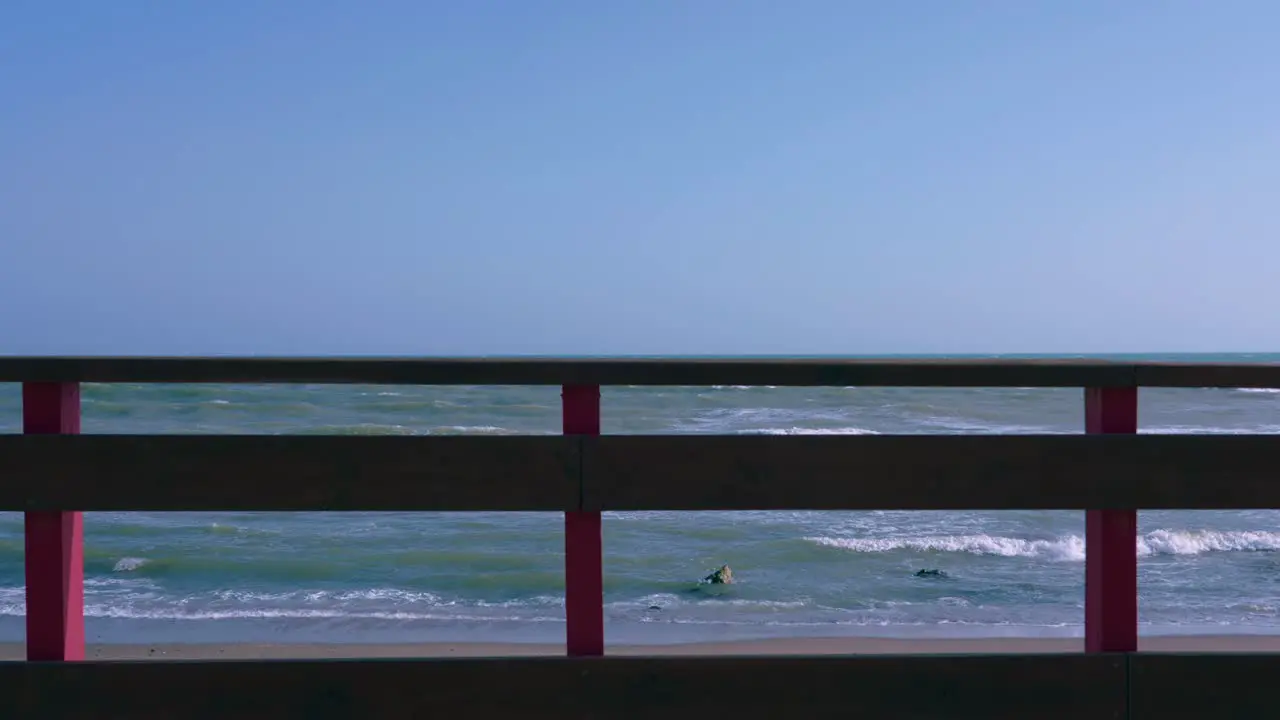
(454, 577)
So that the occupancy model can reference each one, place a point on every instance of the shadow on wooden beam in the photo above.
(993, 687)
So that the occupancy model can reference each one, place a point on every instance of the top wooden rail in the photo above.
(796, 372)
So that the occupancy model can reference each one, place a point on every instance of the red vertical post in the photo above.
(583, 545)
(1111, 539)
(54, 539)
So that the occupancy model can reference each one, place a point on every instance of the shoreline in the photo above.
(778, 646)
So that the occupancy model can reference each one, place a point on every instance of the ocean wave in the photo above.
(368, 604)
(1067, 548)
(126, 612)
(118, 600)
(762, 419)
(670, 600)
(368, 598)
(356, 429)
(810, 431)
(1209, 430)
(471, 430)
(129, 564)
(865, 622)
(172, 613)
(392, 595)
(967, 426)
(1195, 542)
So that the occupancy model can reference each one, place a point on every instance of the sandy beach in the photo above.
(799, 646)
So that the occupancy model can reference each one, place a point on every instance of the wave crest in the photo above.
(1067, 548)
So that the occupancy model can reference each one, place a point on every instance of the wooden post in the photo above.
(54, 539)
(1111, 539)
(583, 546)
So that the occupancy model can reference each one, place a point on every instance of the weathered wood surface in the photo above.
(640, 371)
(1173, 686)
(994, 687)
(681, 472)
(923, 472)
(264, 472)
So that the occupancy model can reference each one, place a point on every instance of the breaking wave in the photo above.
(1067, 548)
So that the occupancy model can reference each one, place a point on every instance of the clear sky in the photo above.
(639, 176)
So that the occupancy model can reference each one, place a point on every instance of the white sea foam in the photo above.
(810, 431)
(970, 426)
(180, 613)
(390, 604)
(1067, 548)
(761, 419)
(126, 612)
(129, 564)
(1195, 542)
(385, 595)
(1268, 391)
(470, 430)
(364, 604)
(536, 601)
(1209, 430)
(671, 600)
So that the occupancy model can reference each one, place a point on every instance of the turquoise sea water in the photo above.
(491, 576)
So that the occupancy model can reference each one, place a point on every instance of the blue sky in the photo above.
(691, 177)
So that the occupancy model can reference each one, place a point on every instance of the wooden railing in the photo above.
(53, 474)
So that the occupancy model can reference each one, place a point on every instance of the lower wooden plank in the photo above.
(1045, 687)
(1168, 686)
(930, 472)
(263, 472)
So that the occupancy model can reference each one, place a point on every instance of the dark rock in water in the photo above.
(722, 576)
(931, 573)
(654, 607)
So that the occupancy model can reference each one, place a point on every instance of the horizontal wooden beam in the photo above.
(671, 472)
(930, 472)
(640, 371)
(1173, 686)
(1207, 375)
(1046, 687)
(263, 472)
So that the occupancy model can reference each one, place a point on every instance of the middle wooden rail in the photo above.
(635, 472)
